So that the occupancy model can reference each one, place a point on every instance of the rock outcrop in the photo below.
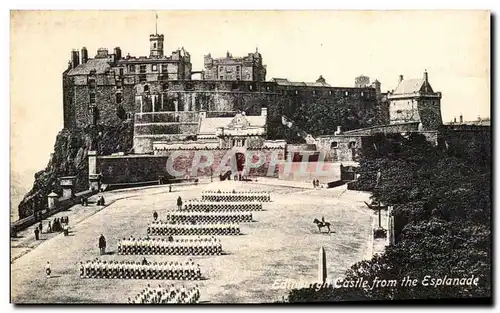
(70, 159)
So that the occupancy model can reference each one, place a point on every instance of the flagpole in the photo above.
(156, 23)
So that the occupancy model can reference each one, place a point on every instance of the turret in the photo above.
(156, 45)
(426, 77)
(400, 78)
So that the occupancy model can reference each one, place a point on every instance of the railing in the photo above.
(61, 205)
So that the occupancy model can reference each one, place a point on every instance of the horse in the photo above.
(321, 224)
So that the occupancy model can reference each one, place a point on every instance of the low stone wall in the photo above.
(186, 164)
(61, 205)
(325, 172)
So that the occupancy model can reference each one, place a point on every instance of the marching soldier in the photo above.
(179, 203)
(155, 216)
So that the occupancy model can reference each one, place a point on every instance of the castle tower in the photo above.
(156, 45)
(414, 101)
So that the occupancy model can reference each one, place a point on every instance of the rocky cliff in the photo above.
(70, 158)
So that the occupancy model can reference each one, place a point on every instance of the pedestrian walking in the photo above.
(155, 215)
(37, 233)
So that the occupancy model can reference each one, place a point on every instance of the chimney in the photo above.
(85, 55)
(118, 53)
(338, 131)
(454, 120)
(263, 112)
(75, 58)
(461, 119)
(426, 76)
(400, 78)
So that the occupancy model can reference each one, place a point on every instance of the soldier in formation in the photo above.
(210, 217)
(161, 246)
(207, 206)
(169, 294)
(161, 228)
(137, 270)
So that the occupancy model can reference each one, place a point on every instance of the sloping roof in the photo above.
(317, 84)
(408, 86)
(99, 65)
(257, 121)
(281, 81)
(210, 125)
(286, 82)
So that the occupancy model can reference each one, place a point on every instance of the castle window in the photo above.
(142, 78)
(330, 92)
(250, 87)
(131, 68)
(268, 88)
(118, 84)
(346, 93)
(92, 98)
(237, 68)
(154, 68)
(399, 111)
(296, 92)
(235, 86)
(164, 68)
(314, 92)
(142, 69)
(352, 144)
(146, 88)
(120, 71)
(334, 145)
(154, 45)
(118, 98)
(92, 84)
(362, 94)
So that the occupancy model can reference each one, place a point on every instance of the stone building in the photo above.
(104, 89)
(414, 100)
(157, 93)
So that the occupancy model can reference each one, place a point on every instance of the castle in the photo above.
(159, 94)
(231, 107)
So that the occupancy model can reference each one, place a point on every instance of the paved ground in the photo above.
(281, 245)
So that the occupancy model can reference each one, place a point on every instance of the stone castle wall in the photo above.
(146, 168)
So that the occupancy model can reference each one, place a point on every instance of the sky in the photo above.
(453, 46)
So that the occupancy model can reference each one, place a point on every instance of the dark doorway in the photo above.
(240, 161)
